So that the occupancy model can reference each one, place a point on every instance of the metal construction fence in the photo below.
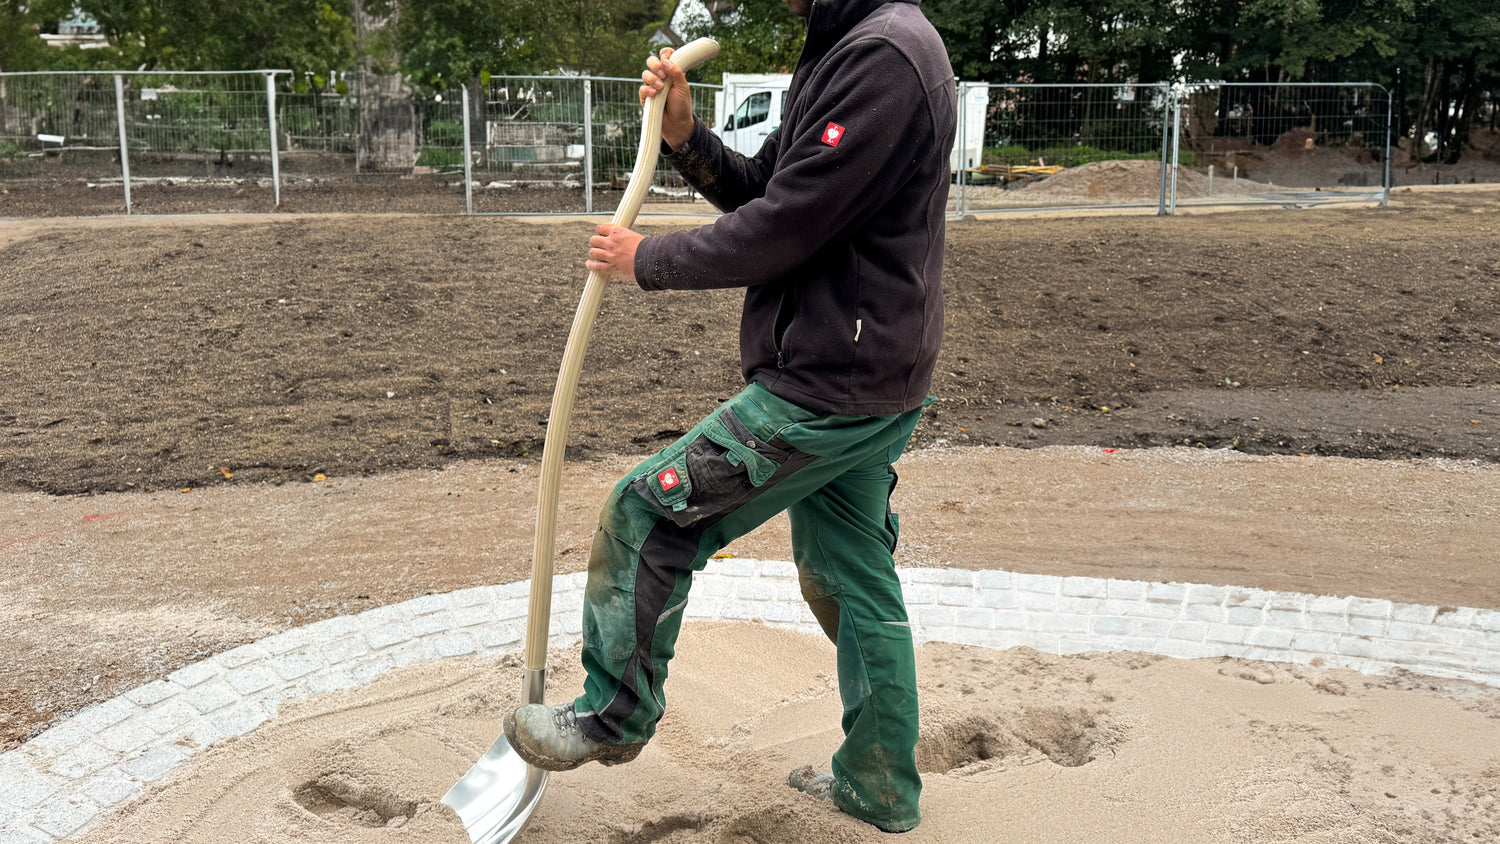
(1164, 145)
(560, 144)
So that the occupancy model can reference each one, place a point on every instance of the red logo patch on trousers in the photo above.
(668, 480)
(832, 134)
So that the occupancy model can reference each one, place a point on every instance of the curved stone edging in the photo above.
(56, 784)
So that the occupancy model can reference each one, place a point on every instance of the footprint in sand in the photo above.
(343, 800)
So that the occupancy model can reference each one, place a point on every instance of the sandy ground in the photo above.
(1016, 745)
(103, 591)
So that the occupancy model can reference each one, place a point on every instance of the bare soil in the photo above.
(248, 358)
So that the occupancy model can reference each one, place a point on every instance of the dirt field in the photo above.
(231, 356)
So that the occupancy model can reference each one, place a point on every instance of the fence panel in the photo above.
(1051, 146)
(58, 126)
(203, 141)
(195, 125)
(1280, 143)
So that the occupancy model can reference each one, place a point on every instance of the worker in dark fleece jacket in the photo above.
(835, 230)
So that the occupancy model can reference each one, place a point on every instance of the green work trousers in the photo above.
(752, 458)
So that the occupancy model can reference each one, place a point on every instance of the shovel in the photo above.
(496, 798)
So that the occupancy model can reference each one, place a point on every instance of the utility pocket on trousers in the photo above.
(717, 470)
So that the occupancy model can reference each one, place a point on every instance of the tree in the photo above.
(757, 36)
(307, 36)
(1451, 60)
(21, 26)
(986, 39)
(446, 42)
(599, 37)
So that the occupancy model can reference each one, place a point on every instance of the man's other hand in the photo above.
(677, 120)
(612, 251)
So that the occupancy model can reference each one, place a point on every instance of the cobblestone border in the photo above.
(58, 783)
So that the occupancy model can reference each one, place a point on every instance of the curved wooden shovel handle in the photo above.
(539, 615)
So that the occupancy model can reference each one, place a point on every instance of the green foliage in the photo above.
(21, 24)
(1064, 156)
(443, 43)
(1443, 56)
(761, 36)
(442, 157)
(445, 132)
(1058, 40)
(306, 36)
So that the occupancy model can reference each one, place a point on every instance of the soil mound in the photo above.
(1134, 180)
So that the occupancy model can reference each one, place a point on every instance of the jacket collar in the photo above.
(827, 22)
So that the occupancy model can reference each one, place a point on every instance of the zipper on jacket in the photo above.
(786, 312)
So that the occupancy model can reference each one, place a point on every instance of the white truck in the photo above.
(751, 104)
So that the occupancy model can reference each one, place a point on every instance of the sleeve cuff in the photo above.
(694, 140)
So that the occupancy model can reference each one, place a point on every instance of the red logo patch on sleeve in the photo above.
(668, 480)
(832, 134)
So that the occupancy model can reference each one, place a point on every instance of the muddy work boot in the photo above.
(821, 786)
(548, 737)
(810, 780)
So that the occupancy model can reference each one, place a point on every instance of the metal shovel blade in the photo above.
(497, 797)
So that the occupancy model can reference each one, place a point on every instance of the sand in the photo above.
(1017, 745)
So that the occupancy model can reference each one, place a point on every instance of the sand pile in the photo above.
(1016, 745)
(1109, 180)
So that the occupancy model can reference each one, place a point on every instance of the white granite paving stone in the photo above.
(127, 736)
(112, 787)
(1242, 616)
(1165, 593)
(1413, 613)
(730, 567)
(57, 741)
(1084, 587)
(340, 625)
(170, 715)
(29, 789)
(154, 692)
(439, 620)
(387, 634)
(473, 614)
(252, 678)
(155, 763)
(993, 579)
(512, 607)
(242, 656)
(343, 649)
(62, 816)
(211, 697)
(331, 681)
(1126, 590)
(425, 604)
(291, 640)
(60, 781)
(518, 589)
(238, 720)
(456, 644)
(196, 673)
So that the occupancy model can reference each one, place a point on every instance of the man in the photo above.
(835, 230)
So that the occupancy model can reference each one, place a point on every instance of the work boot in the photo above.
(548, 737)
(810, 780)
(820, 786)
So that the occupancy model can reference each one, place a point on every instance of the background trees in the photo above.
(1441, 56)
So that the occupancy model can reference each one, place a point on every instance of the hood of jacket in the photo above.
(827, 22)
